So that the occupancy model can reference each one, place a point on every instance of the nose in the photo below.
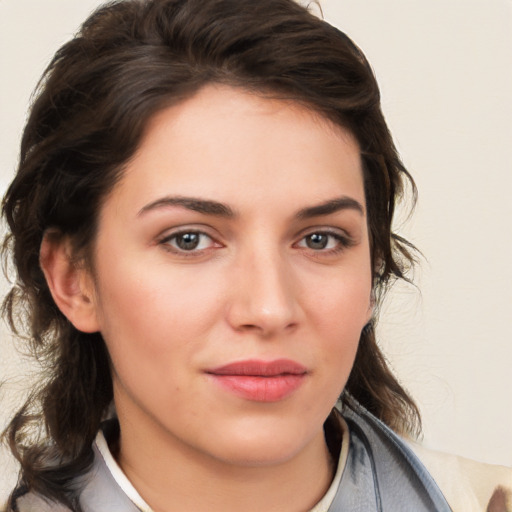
(264, 295)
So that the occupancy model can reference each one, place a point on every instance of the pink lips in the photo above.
(260, 381)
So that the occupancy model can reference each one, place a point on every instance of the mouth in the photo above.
(260, 381)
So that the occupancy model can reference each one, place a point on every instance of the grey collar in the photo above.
(382, 474)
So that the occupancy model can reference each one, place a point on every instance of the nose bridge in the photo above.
(265, 297)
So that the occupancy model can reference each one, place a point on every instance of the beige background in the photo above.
(445, 70)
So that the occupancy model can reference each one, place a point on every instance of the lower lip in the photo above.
(260, 389)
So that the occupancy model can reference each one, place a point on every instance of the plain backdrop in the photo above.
(445, 71)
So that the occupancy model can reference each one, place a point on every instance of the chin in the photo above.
(263, 447)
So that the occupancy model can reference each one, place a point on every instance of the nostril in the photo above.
(267, 329)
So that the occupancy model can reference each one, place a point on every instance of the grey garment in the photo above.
(101, 493)
(381, 475)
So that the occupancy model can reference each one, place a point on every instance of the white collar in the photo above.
(118, 474)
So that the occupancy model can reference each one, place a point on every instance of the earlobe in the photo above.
(71, 285)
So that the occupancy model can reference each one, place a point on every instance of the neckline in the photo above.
(103, 438)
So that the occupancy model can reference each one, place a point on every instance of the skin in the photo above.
(260, 285)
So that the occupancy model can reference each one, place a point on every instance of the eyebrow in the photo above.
(210, 207)
(331, 206)
(191, 203)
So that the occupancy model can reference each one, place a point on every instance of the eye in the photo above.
(188, 241)
(324, 241)
(319, 241)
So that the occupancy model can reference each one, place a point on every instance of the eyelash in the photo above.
(342, 242)
(166, 242)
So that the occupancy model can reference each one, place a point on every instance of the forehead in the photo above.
(232, 145)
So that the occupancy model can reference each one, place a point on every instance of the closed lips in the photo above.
(257, 368)
(260, 381)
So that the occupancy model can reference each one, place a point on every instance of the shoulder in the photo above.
(468, 486)
(103, 487)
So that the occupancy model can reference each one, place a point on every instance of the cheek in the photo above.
(345, 303)
(152, 329)
(340, 313)
(156, 315)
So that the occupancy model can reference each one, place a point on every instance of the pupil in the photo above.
(317, 241)
(188, 241)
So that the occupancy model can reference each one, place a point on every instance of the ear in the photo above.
(71, 285)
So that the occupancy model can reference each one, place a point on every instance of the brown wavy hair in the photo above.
(129, 60)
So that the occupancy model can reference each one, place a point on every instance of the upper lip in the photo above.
(258, 368)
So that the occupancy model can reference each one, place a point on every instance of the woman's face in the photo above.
(232, 277)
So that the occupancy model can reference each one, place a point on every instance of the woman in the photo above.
(201, 226)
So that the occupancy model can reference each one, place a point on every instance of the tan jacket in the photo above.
(468, 486)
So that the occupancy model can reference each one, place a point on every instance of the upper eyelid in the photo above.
(341, 238)
(174, 234)
(194, 228)
(329, 230)
(214, 234)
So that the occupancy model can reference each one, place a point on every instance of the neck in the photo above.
(172, 477)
